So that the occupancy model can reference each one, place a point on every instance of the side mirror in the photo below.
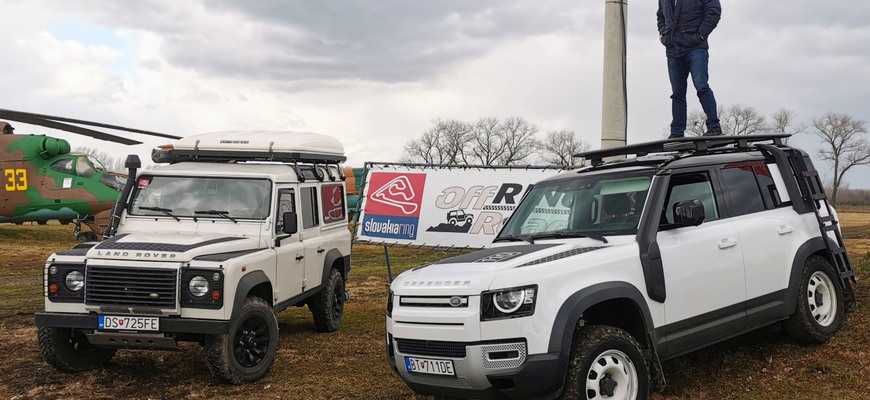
(688, 213)
(290, 223)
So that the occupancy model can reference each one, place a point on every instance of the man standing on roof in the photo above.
(684, 26)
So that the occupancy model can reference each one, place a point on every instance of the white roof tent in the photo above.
(239, 146)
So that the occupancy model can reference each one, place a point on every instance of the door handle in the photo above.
(783, 229)
(320, 250)
(299, 257)
(726, 243)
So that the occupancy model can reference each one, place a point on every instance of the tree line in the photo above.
(516, 141)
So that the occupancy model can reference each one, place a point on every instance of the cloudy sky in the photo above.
(374, 73)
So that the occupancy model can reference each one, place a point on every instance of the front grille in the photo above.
(434, 301)
(131, 287)
(431, 348)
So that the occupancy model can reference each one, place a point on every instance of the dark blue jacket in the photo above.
(687, 25)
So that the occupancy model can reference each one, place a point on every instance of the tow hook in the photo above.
(347, 295)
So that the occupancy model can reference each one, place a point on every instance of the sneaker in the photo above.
(714, 131)
(675, 135)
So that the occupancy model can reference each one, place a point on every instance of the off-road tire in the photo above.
(327, 307)
(68, 350)
(247, 351)
(819, 310)
(606, 362)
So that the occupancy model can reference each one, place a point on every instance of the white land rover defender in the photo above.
(602, 273)
(238, 226)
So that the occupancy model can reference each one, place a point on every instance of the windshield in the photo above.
(601, 204)
(200, 197)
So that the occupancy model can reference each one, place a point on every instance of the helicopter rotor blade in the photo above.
(51, 121)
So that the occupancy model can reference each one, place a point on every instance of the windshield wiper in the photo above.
(224, 214)
(514, 238)
(165, 211)
(569, 234)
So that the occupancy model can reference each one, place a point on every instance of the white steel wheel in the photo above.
(612, 376)
(820, 298)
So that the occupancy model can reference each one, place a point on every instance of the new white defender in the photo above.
(239, 226)
(603, 272)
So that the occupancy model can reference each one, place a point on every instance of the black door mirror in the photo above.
(688, 213)
(290, 223)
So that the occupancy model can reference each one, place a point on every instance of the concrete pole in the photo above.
(614, 102)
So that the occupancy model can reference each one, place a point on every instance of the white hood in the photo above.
(473, 273)
(175, 247)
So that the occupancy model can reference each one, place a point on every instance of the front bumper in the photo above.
(477, 373)
(167, 324)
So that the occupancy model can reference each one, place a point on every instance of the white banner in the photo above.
(441, 206)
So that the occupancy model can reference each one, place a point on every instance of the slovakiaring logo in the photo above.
(393, 208)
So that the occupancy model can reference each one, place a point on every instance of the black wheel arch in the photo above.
(605, 293)
(256, 283)
(330, 259)
(814, 246)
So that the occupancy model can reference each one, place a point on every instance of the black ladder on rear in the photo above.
(814, 193)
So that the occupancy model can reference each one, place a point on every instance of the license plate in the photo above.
(429, 366)
(115, 323)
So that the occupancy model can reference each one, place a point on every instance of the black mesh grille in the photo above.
(431, 348)
(132, 287)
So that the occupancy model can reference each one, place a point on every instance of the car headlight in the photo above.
(198, 286)
(390, 304)
(508, 303)
(75, 281)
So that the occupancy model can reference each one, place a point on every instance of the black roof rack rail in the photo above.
(684, 144)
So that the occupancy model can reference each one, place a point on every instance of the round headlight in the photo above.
(75, 281)
(198, 286)
(509, 300)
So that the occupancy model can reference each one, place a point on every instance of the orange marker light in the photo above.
(215, 295)
(52, 288)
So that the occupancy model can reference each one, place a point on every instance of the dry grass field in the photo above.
(350, 363)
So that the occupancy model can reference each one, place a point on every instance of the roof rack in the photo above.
(685, 144)
(240, 146)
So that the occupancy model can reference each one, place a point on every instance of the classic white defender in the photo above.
(239, 226)
(601, 273)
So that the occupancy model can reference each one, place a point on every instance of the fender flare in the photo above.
(244, 287)
(329, 259)
(804, 252)
(575, 305)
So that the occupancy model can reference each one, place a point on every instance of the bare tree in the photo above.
(423, 150)
(488, 144)
(783, 121)
(445, 143)
(559, 147)
(519, 140)
(741, 120)
(843, 145)
(106, 160)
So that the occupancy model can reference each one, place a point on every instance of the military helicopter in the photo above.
(42, 180)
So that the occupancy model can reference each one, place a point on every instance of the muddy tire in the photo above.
(68, 350)
(247, 351)
(819, 310)
(86, 237)
(327, 307)
(606, 363)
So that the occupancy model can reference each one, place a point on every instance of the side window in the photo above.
(332, 202)
(308, 199)
(742, 188)
(692, 186)
(286, 203)
(84, 168)
(65, 165)
(768, 188)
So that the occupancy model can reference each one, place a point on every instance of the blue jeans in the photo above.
(679, 68)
